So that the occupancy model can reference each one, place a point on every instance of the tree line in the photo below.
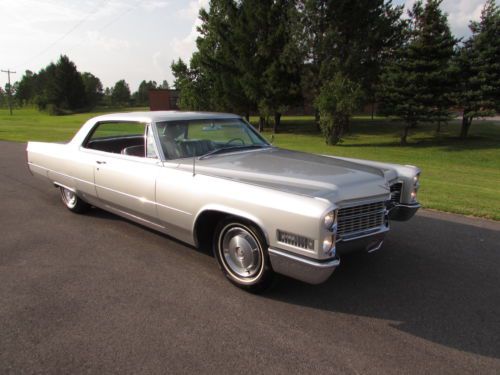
(267, 56)
(60, 88)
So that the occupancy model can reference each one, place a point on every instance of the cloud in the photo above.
(161, 63)
(191, 11)
(151, 5)
(184, 47)
(460, 13)
(96, 39)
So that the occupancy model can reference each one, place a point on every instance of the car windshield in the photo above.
(202, 138)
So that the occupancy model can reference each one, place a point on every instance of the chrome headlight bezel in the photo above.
(328, 245)
(330, 219)
(416, 185)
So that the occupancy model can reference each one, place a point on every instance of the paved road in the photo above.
(98, 294)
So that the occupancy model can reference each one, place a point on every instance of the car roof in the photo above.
(158, 116)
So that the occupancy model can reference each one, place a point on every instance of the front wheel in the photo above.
(241, 251)
(73, 202)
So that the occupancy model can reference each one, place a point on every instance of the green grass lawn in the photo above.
(457, 176)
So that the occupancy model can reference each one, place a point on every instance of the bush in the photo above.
(336, 102)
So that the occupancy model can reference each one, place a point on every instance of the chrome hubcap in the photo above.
(241, 252)
(69, 197)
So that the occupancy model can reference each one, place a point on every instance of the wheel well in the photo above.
(204, 228)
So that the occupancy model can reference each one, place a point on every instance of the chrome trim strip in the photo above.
(57, 184)
(143, 200)
(362, 202)
(382, 229)
(407, 205)
(376, 247)
(310, 262)
(137, 218)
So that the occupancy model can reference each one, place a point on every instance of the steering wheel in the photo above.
(232, 140)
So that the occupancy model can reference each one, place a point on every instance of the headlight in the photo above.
(329, 246)
(330, 219)
(416, 185)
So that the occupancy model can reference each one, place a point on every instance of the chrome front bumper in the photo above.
(309, 270)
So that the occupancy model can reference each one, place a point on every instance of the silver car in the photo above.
(209, 179)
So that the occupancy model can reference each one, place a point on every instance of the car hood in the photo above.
(297, 172)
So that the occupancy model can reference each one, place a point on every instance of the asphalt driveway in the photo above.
(98, 294)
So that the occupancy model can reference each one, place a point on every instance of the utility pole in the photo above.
(9, 94)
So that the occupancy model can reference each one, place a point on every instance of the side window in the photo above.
(126, 138)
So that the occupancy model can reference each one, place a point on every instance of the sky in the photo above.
(124, 39)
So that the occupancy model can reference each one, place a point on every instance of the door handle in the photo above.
(100, 162)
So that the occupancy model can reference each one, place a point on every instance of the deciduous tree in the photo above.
(120, 94)
(93, 89)
(336, 102)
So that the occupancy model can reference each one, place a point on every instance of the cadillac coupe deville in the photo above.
(210, 179)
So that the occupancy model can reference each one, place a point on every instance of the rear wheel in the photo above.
(241, 251)
(73, 202)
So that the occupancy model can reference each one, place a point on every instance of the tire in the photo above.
(241, 252)
(73, 202)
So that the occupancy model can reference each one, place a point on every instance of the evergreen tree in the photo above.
(478, 63)
(45, 90)
(93, 89)
(68, 91)
(245, 61)
(214, 61)
(418, 83)
(121, 93)
(267, 56)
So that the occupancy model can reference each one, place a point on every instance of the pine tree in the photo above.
(478, 63)
(417, 84)
(68, 89)
(280, 79)
(215, 61)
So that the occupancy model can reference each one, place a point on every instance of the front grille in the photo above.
(357, 219)
(396, 192)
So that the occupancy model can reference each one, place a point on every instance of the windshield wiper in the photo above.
(232, 148)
